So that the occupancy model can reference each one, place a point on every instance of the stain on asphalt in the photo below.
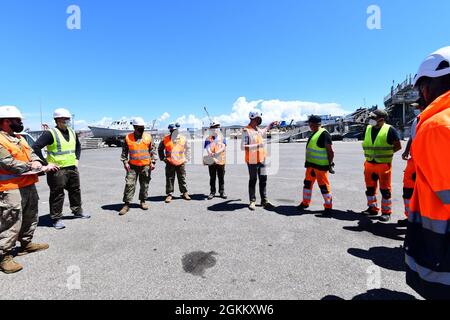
(197, 262)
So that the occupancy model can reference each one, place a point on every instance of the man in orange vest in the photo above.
(19, 199)
(215, 146)
(139, 158)
(427, 242)
(409, 176)
(174, 150)
(255, 157)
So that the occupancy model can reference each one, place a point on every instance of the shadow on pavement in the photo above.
(289, 211)
(228, 206)
(46, 221)
(386, 230)
(342, 215)
(386, 258)
(376, 295)
(118, 207)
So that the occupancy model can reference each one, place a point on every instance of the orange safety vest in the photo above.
(138, 150)
(175, 152)
(427, 241)
(215, 145)
(20, 152)
(253, 155)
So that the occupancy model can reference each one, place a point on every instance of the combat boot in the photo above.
(144, 206)
(8, 265)
(124, 210)
(31, 248)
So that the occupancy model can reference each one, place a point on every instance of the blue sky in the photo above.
(148, 57)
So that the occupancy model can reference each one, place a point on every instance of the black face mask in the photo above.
(259, 121)
(16, 127)
(140, 130)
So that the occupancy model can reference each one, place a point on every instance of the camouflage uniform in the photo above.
(144, 174)
(18, 208)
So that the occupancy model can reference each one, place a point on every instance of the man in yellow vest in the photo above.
(19, 199)
(255, 157)
(215, 146)
(174, 150)
(319, 161)
(139, 158)
(63, 151)
(381, 141)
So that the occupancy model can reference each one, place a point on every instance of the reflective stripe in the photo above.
(60, 153)
(427, 274)
(407, 201)
(370, 198)
(386, 208)
(316, 151)
(379, 156)
(378, 148)
(436, 226)
(307, 191)
(317, 157)
(6, 177)
(444, 196)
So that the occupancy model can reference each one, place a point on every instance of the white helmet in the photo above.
(436, 65)
(10, 112)
(138, 122)
(254, 115)
(62, 113)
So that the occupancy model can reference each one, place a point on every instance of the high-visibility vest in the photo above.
(427, 242)
(139, 150)
(254, 155)
(379, 151)
(62, 152)
(175, 151)
(20, 152)
(315, 154)
(215, 145)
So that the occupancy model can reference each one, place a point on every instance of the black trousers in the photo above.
(257, 171)
(65, 179)
(216, 170)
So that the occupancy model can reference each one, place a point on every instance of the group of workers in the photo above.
(426, 179)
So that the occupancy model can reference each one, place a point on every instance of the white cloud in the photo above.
(272, 110)
(164, 117)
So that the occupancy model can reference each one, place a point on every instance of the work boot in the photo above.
(186, 197)
(169, 198)
(266, 204)
(144, 206)
(252, 206)
(124, 210)
(58, 224)
(82, 215)
(211, 196)
(302, 207)
(327, 212)
(385, 218)
(223, 196)
(371, 211)
(32, 248)
(8, 265)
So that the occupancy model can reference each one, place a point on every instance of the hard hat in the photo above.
(315, 119)
(436, 65)
(254, 115)
(174, 125)
(378, 114)
(10, 112)
(214, 125)
(139, 122)
(62, 113)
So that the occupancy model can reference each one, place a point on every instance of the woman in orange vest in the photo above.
(215, 146)
(427, 242)
(255, 157)
(139, 158)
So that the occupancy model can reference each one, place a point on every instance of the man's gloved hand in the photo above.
(331, 170)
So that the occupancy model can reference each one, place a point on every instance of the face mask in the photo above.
(214, 132)
(259, 121)
(17, 127)
(140, 130)
(68, 123)
(373, 122)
